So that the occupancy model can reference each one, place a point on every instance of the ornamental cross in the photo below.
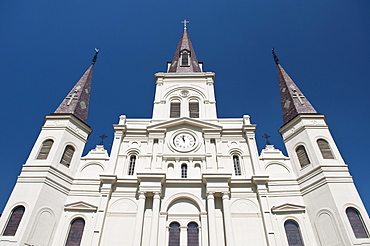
(298, 95)
(267, 139)
(72, 97)
(185, 22)
(102, 139)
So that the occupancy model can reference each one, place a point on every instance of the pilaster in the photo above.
(139, 219)
(107, 182)
(262, 194)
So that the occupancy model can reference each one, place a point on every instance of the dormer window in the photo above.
(185, 55)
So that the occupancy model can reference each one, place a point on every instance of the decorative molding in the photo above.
(288, 208)
(77, 206)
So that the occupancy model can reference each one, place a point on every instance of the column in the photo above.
(211, 219)
(227, 219)
(139, 219)
(183, 235)
(155, 219)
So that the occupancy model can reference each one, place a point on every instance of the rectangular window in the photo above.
(175, 110)
(194, 110)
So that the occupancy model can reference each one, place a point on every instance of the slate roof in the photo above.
(293, 102)
(77, 100)
(175, 66)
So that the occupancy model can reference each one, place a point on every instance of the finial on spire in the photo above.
(185, 22)
(275, 57)
(95, 56)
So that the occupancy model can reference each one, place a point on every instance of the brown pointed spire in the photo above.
(184, 60)
(77, 100)
(293, 102)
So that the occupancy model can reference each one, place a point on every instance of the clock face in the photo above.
(184, 141)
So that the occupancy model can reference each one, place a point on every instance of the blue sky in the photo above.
(45, 47)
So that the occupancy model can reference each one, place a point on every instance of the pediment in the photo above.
(288, 208)
(184, 121)
(80, 206)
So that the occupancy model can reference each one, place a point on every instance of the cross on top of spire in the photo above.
(184, 22)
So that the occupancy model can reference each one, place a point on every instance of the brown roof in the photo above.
(293, 102)
(175, 66)
(77, 100)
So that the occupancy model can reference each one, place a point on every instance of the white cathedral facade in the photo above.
(185, 177)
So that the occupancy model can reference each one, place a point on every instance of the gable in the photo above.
(80, 206)
(288, 208)
(184, 122)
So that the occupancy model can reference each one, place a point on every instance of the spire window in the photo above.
(185, 55)
(14, 221)
(325, 149)
(75, 232)
(131, 168)
(45, 149)
(175, 109)
(67, 155)
(302, 156)
(194, 109)
(357, 223)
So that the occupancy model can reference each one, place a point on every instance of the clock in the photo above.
(184, 141)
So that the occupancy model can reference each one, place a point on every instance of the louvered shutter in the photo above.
(67, 155)
(194, 109)
(302, 156)
(45, 149)
(175, 110)
(325, 149)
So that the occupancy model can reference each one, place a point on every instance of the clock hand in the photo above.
(183, 138)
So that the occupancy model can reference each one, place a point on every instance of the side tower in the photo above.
(35, 205)
(333, 203)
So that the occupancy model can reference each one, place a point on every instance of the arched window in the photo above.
(194, 109)
(75, 232)
(302, 156)
(356, 223)
(293, 233)
(175, 109)
(131, 167)
(14, 221)
(174, 237)
(45, 149)
(325, 149)
(67, 155)
(237, 165)
(185, 58)
(193, 237)
(184, 171)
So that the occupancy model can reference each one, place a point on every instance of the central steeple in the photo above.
(184, 59)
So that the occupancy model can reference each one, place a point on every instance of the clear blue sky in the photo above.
(45, 46)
